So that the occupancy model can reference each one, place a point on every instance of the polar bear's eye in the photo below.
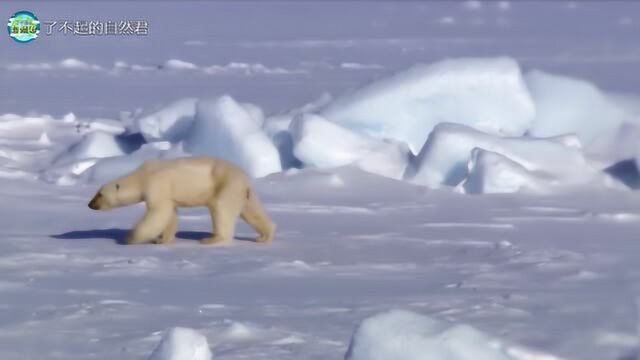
(117, 186)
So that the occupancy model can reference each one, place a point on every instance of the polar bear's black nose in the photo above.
(93, 204)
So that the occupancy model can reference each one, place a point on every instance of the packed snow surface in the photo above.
(556, 274)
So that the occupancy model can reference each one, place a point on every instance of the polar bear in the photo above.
(165, 185)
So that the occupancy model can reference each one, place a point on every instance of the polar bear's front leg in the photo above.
(169, 233)
(151, 225)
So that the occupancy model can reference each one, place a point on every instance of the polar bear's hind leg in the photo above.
(254, 214)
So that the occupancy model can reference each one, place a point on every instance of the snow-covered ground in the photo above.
(558, 274)
(450, 181)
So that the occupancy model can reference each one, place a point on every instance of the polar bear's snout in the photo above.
(94, 204)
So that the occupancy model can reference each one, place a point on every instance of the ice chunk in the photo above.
(76, 64)
(323, 144)
(277, 128)
(623, 145)
(486, 94)
(100, 170)
(44, 139)
(171, 123)
(238, 331)
(223, 128)
(130, 142)
(96, 144)
(67, 173)
(320, 143)
(404, 335)
(30, 127)
(491, 172)
(444, 158)
(279, 133)
(625, 171)
(283, 141)
(255, 113)
(177, 64)
(278, 123)
(113, 167)
(182, 344)
(567, 105)
(109, 126)
(69, 118)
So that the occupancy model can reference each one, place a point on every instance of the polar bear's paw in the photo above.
(264, 239)
(266, 236)
(163, 241)
(214, 240)
(133, 239)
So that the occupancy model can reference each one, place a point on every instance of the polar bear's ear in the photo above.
(117, 187)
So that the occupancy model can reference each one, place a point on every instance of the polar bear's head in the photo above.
(117, 193)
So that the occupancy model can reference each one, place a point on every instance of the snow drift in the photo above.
(486, 94)
(445, 157)
(225, 129)
(182, 344)
(323, 144)
(404, 335)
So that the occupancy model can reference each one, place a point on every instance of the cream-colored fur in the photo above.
(165, 185)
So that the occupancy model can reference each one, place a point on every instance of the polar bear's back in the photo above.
(196, 163)
(193, 181)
